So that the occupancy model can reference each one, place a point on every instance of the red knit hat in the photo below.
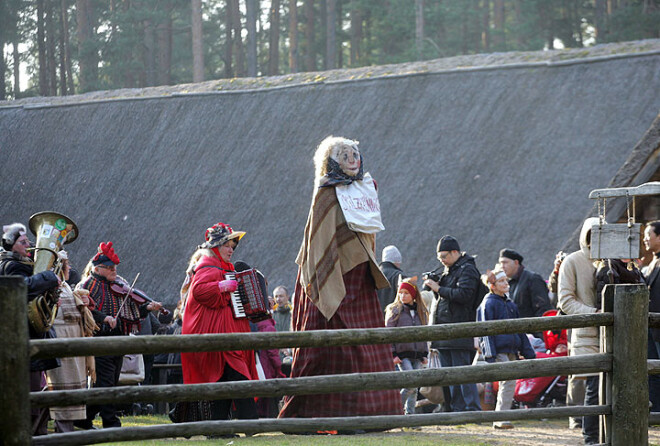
(106, 255)
(407, 285)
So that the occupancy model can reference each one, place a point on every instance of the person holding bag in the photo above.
(408, 310)
(336, 286)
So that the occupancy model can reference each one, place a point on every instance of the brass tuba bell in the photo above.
(52, 231)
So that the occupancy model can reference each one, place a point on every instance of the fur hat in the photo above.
(106, 255)
(11, 233)
(448, 243)
(219, 234)
(511, 254)
(391, 254)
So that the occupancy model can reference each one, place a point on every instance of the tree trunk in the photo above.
(331, 35)
(164, 33)
(274, 41)
(41, 48)
(293, 36)
(601, 20)
(419, 27)
(197, 41)
(519, 22)
(17, 70)
(229, 42)
(310, 54)
(356, 33)
(87, 56)
(238, 39)
(485, 26)
(149, 56)
(3, 65)
(498, 20)
(340, 42)
(251, 12)
(65, 73)
(51, 57)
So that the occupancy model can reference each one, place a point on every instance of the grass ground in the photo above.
(532, 432)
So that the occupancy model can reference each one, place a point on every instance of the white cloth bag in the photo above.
(132, 369)
(359, 202)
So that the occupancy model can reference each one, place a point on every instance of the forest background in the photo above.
(63, 47)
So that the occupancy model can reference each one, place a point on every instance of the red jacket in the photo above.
(210, 311)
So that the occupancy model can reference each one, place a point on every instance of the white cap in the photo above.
(391, 254)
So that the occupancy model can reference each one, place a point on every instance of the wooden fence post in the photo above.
(605, 390)
(15, 425)
(630, 390)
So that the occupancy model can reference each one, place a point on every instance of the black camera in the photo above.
(431, 275)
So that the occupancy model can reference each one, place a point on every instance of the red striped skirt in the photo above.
(359, 309)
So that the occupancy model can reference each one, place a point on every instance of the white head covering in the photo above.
(391, 254)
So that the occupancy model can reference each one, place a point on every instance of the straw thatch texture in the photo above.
(497, 157)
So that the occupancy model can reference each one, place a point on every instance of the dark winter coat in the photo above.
(529, 292)
(455, 300)
(387, 295)
(11, 265)
(653, 282)
(403, 317)
(496, 308)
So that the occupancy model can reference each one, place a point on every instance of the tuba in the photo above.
(52, 231)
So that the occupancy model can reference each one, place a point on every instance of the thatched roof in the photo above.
(498, 157)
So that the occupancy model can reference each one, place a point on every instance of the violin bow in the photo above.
(130, 290)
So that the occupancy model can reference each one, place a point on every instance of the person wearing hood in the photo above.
(454, 301)
(390, 265)
(577, 295)
(14, 261)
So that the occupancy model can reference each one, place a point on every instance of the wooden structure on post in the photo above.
(15, 425)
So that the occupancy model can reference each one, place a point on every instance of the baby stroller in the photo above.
(545, 390)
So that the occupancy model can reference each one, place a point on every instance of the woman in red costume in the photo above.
(209, 310)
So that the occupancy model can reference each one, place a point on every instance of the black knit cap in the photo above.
(511, 254)
(448, 243)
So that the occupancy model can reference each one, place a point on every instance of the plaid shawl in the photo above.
(329, 250)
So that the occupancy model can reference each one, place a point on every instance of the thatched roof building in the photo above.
(501, 156)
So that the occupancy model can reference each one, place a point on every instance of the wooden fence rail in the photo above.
(119, 345)
(330, 383)
(624, 398)
(298, 425)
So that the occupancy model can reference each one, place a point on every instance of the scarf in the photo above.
(336, 175)
(329, 250)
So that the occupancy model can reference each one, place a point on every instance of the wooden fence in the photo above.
(622, 364)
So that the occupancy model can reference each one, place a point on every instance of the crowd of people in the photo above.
(339, 285)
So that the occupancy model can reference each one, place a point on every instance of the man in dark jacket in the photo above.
(14, 261)
(528, 289)
(652, 244)
(391, 267)
(454, 301)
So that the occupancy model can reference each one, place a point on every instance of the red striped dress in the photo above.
(359, 309)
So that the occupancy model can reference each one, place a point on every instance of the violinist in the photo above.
(117, 313)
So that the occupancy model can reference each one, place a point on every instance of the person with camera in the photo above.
(455, 293)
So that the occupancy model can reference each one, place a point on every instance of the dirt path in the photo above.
(550, 432)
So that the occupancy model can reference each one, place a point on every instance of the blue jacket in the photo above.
(494, 308)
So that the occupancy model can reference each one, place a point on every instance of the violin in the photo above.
(122, 288)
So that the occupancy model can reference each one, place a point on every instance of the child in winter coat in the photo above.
(506, 347)
(408, 310)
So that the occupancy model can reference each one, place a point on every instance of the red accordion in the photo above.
(250, 299)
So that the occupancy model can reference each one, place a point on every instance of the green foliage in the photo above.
(139, 43)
